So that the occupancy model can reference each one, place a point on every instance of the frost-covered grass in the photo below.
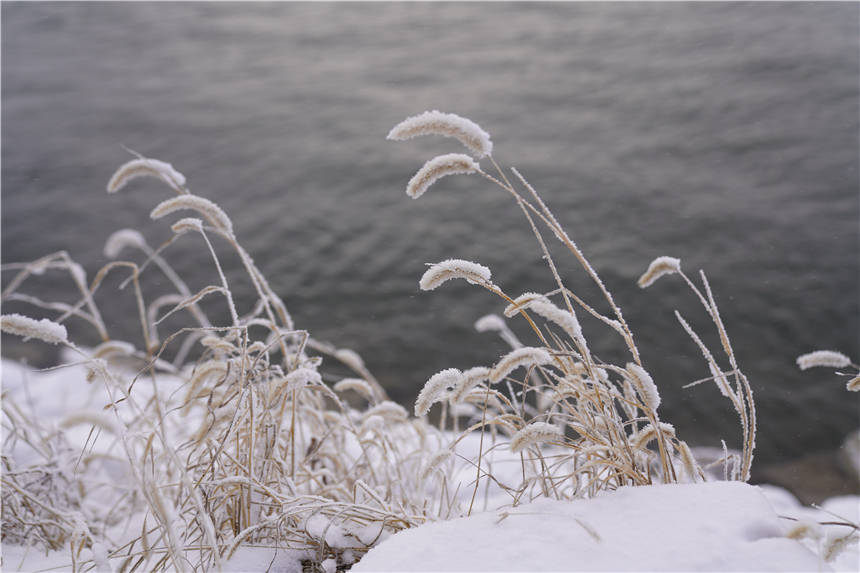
(228, 443)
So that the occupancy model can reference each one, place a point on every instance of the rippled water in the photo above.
(723, 134)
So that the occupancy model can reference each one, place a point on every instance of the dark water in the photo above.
(723, 134)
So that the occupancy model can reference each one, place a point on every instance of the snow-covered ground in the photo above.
(717, 526)
(722, 526)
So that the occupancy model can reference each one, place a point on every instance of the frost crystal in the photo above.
(449, 269)
(438, 167)
(435, 122)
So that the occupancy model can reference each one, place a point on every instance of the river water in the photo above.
(722, 134)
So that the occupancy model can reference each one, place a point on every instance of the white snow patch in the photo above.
(724, 526)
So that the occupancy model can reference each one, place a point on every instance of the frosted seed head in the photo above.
(449, 269)
(356, 385)
(490, 322)
(525, 356)
(435, 461)
(146, 167)
(388, 410)
(436, 389)
(563, 318)
(113, 348)
(828, 358)
(438, 167)
(659, 267)
(645, 386)
(523, 301)
(122, 239)
(89, 418)
(187, 225)
(44, 329)
(351, 358)
(535, 433)
(435, 122)
(210, 211)
(469, 379)
(302, 377)
(649, 432)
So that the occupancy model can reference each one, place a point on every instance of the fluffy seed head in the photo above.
(122, 239)
(351, 358)
(205, 207)
(435, 461)
(89, 418)
(523, 301)
(388, 410)
(436, 389)
(187, 225)
(489, 322)
(470, 378)
(563, 318)
(829, 358)
(449, 269)
(435, 122)
(355, 384)
(146, 167)
(649, 432)
(438, 167)
(113, 348)
(535, 433)
(645, 386)
(659, 267)
(525, 356)
(44, 329)
(302, 377)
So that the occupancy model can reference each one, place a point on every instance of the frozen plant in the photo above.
(580, 425)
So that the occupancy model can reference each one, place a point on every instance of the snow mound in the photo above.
(723, 526)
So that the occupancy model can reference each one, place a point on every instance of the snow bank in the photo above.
(724, 526)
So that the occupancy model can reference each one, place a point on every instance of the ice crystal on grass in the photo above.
(526, 356)
(436, 389)
(438, 167)
(121, 239)
(659, 267)
(535, 433)
(644, 386)
(563, 318)
(435, 122)
(44, 329)
(523, 302)
(146, 167)
(823, 358)
(444, 271)
(205, 207)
